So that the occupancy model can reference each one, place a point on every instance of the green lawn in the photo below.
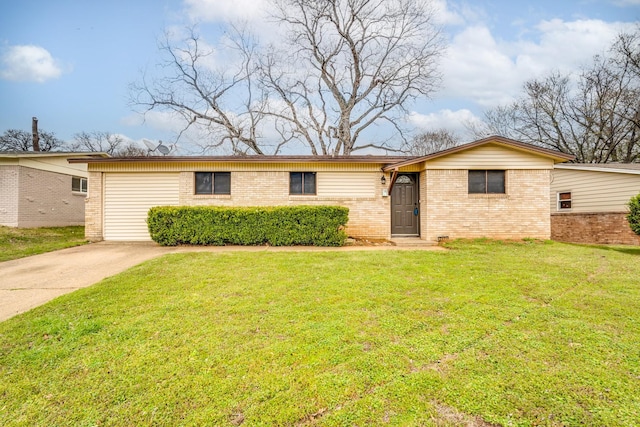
(22, 242)
(485, 334)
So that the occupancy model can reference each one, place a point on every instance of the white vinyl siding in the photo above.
(593, 191)
(129, 196)
(490, 157)
(347, 184)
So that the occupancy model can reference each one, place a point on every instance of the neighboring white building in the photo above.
(41, 189)
(589, 202)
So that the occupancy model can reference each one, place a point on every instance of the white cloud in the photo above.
(491, 72)
(624, 3)
(444, 15)
(456, 121)
(476, 67)
(225, 10)
(29, 63)
(456, 13)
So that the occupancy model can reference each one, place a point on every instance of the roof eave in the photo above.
(573, 166)
(383, 160)
(556, 156)
(34, 154)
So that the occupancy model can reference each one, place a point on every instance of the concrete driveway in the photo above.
(29, 282)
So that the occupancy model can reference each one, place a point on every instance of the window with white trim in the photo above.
(78, 184)
(564, 200)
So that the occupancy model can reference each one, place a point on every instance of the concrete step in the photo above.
(411, 242)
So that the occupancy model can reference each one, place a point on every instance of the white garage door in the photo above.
(127, 199)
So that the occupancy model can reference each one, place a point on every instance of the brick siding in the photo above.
(445, 205)
(40, 198)
(93, 207)
(449, 210)
(597, 228)
(9, 183)
(368, 217)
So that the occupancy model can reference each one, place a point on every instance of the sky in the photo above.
(71, 62)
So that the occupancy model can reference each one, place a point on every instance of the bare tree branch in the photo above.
(20, 140)
(368, 58)
(594, 115)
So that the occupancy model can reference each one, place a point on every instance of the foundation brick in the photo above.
(594, 228)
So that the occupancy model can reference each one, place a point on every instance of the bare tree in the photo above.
(627, 50)
(345, 66)
(431, 141)
(20, 140)
(363, 61)
(217, 97)
(131, 150)
(594, 115)
(106, 142)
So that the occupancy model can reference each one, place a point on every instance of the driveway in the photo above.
(29, 282)
(26, 283)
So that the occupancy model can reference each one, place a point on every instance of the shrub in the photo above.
(276, 226)
(634, 214)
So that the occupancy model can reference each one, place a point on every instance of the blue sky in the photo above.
(70, 63)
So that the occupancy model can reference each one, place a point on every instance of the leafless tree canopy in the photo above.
(218, 97)
(432, 141)
(594, 115)
(105, 142)
(345, 66)
(363, 60)
(20, 140)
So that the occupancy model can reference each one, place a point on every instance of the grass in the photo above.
(22, 242)
(488, 333)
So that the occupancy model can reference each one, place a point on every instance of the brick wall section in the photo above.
(598, 228)
(45, 199)
(93, 207)
(368, 217)
(9, 183)
(448, 209)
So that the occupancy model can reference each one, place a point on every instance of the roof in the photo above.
(557, 156)
(390, 162)
(630, 168)
(36, 154)
(249, 159)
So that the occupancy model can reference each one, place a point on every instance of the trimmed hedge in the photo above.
(276, 226)
(634, 214)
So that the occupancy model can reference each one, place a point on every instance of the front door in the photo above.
(405, 213)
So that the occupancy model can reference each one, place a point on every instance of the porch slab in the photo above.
(414, 242)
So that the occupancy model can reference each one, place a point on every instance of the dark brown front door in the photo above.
(404, 206)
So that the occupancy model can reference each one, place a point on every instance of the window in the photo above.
(213, 182)
(564, 200)
(79, 184)
(302, 183)
(486, 182)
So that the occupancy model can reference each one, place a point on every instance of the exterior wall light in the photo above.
(383, 180)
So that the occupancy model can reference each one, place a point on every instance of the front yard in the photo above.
(22, 242)
(485, 334)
